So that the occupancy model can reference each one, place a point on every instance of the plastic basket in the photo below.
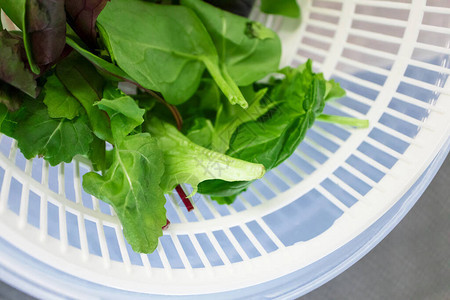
(305, 222)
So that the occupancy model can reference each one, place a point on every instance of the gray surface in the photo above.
(412, 262)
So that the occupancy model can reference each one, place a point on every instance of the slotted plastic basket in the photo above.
(305, 222)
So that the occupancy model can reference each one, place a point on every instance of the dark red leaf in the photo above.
(82, 15)
(46, 28)
(13, 70)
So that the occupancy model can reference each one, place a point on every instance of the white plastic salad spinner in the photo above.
(305, 222)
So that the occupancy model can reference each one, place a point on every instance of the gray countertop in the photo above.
(412, 262)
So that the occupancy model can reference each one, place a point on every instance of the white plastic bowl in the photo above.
(305, 222)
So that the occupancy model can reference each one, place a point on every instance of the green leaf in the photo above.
(164, 48)
(16, 11)
(288, 8)
(243, 57)
(114, 72)
(57, 140)
(229, 118)
(60, 103)
(12, 68)
(204, 103)
(3, 113)
(200, 132)
(123, 111)
(187, 162)
(82, 80)
(97, 154)
(333, 90)
(131, 187)
(274, 137)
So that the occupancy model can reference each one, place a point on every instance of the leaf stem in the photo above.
(184, 198)
(358, 123)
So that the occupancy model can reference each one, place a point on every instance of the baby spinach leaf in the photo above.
(60, 103)
(123, 111)
(111, 71)
(83, 15)
(229, 118)
(131, 187)
(187, 162)
(57, 140)
(243, 58)
(164, 48)
(288, 8)
(270, 140)
(12, 68)
(82, 80)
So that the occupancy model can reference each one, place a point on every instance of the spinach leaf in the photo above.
(82, 80)
(187, 162)
(83, 15)
(243, 58)
(131, 187)
(270, 140)
(57, 140)
(229, 118)
(12, 68)
(110, 70)
(163, 48)
(204, 103)
(60, 103)
(288, 8)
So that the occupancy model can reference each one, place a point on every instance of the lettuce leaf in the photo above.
(131, 186)
(187, 162)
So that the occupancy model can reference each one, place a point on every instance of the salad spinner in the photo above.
(305, 222)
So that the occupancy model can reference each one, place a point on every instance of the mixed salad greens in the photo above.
(199, 112)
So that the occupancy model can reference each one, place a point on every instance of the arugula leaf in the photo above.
(123, 111)
(82, 80)
(60, 103)
(164, 48)
(57, 140)
(83, 15)
(187, 162)
(288, 8)
(243, 58)
(12, 68)
(46, 29)
(131, 187)
(270, 140)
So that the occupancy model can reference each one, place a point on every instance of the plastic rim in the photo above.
(40, 280)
